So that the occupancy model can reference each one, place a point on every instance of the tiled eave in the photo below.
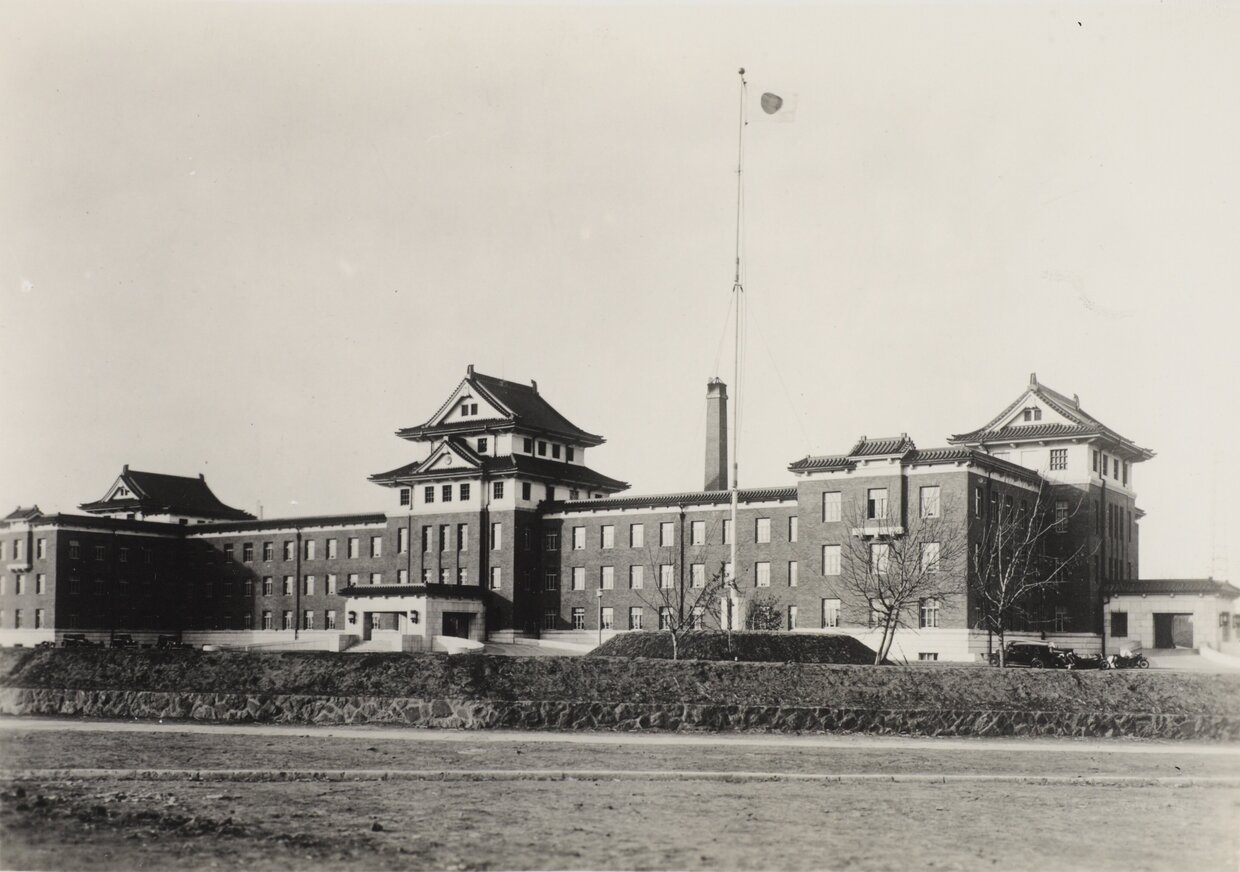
(687, 499)
(309, 521)
(497, 425)
(99, 507)
(1172, 586)
(1044, 432)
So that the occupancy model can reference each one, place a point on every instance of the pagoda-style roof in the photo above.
(23, 513)
(506, 405)
(1177, 586)
(883, 446)
(913, 456)
(1075, 423)
(466, 463)
(156, 493)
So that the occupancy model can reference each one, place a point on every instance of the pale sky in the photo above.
(254, 239)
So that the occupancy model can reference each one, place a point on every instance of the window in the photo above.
(607, 577)
(637, 535)
(792, 573)
(290, 550)
(525, 490)
(445, 575)
(551, 540)
(667, 534)
(542, 448)
(555, 451)
(445, 493)
(445, 537)
(831, 506)
(287, 586)
(247, 552)
(465, 491)
(1061, 516)
(696, 617)
(1119, 625)
(40, 583)
(880, 557)
(497, 490)
(1032, 414)
(727, 531)
(830, 559)
(579, 538)
(1061, 619)
(979, 501)
(569, 453)
(329, 619)
(665, 618)
(792, 617)
(1114, 467)
(927, 656)
(405, 496)
(928, 613)
(792, 529)
(267, 585)
(551, 617)
(762, 530)
(354, 546)
(307, 586)
(697, 575)
(876, 503)
(1124, 467)
(482, 445)
(376, 546)
(267, 622)
(930, 501)
(496, 578)
(309, 548)
(268, 551)
(579, 618)
(635, 617)
(830, 613)
(636, 577)
(331, 549)
(462, 537)
(1059, 458)
(1094, 453)
(38, 619)
(40, 549)
(307, 620)
(402, 540)
(762, 574)
(551, 580)
(607, 617)
(667, 576)
(929, 556)
(579, 578)
(697, 533)
(428, 494)
(286, 622)
(376, 578)
(607, 536)
(17, 619)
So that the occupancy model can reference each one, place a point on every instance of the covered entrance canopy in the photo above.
(415, 610)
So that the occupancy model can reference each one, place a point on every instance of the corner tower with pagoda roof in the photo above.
(1089, 465)
(492, 453)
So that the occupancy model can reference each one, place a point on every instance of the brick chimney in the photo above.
(716, 435)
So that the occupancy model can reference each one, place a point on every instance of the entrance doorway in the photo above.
(1173, 630)
(456, 624)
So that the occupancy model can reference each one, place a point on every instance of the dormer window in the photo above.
(1033, 414)
(468, 409)
(568, 453)
(482, 446)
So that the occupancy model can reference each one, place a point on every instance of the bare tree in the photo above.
(891, 565)
(682, 586)
(1021, 552)
(764, 612)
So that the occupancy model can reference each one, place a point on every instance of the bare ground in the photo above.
(109, 823)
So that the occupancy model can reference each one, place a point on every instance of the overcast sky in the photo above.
(254, 239)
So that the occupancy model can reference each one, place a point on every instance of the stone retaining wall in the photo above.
(625, 716)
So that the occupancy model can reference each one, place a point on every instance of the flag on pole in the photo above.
(778, 105)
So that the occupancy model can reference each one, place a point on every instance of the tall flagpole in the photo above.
(738, 291)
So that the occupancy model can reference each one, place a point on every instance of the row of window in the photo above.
(877, 506)
(698, 534)
(19, 619)
(698, 576)
(1118, 468)
(464, 490)
(20, 586)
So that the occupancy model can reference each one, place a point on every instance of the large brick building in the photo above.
(497, 528)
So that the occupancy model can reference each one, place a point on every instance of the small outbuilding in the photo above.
(1154, 613)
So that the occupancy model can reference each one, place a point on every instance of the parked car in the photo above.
(170, 642)
(79, 640)
(1038, 655)
(123, 640)
(48, 643)
(1087, 661)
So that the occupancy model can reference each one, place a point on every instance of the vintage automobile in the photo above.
(123, 640)
(79, 640)
(1037, 655)
(171, 642)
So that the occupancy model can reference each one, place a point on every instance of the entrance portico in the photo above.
(420, 611)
